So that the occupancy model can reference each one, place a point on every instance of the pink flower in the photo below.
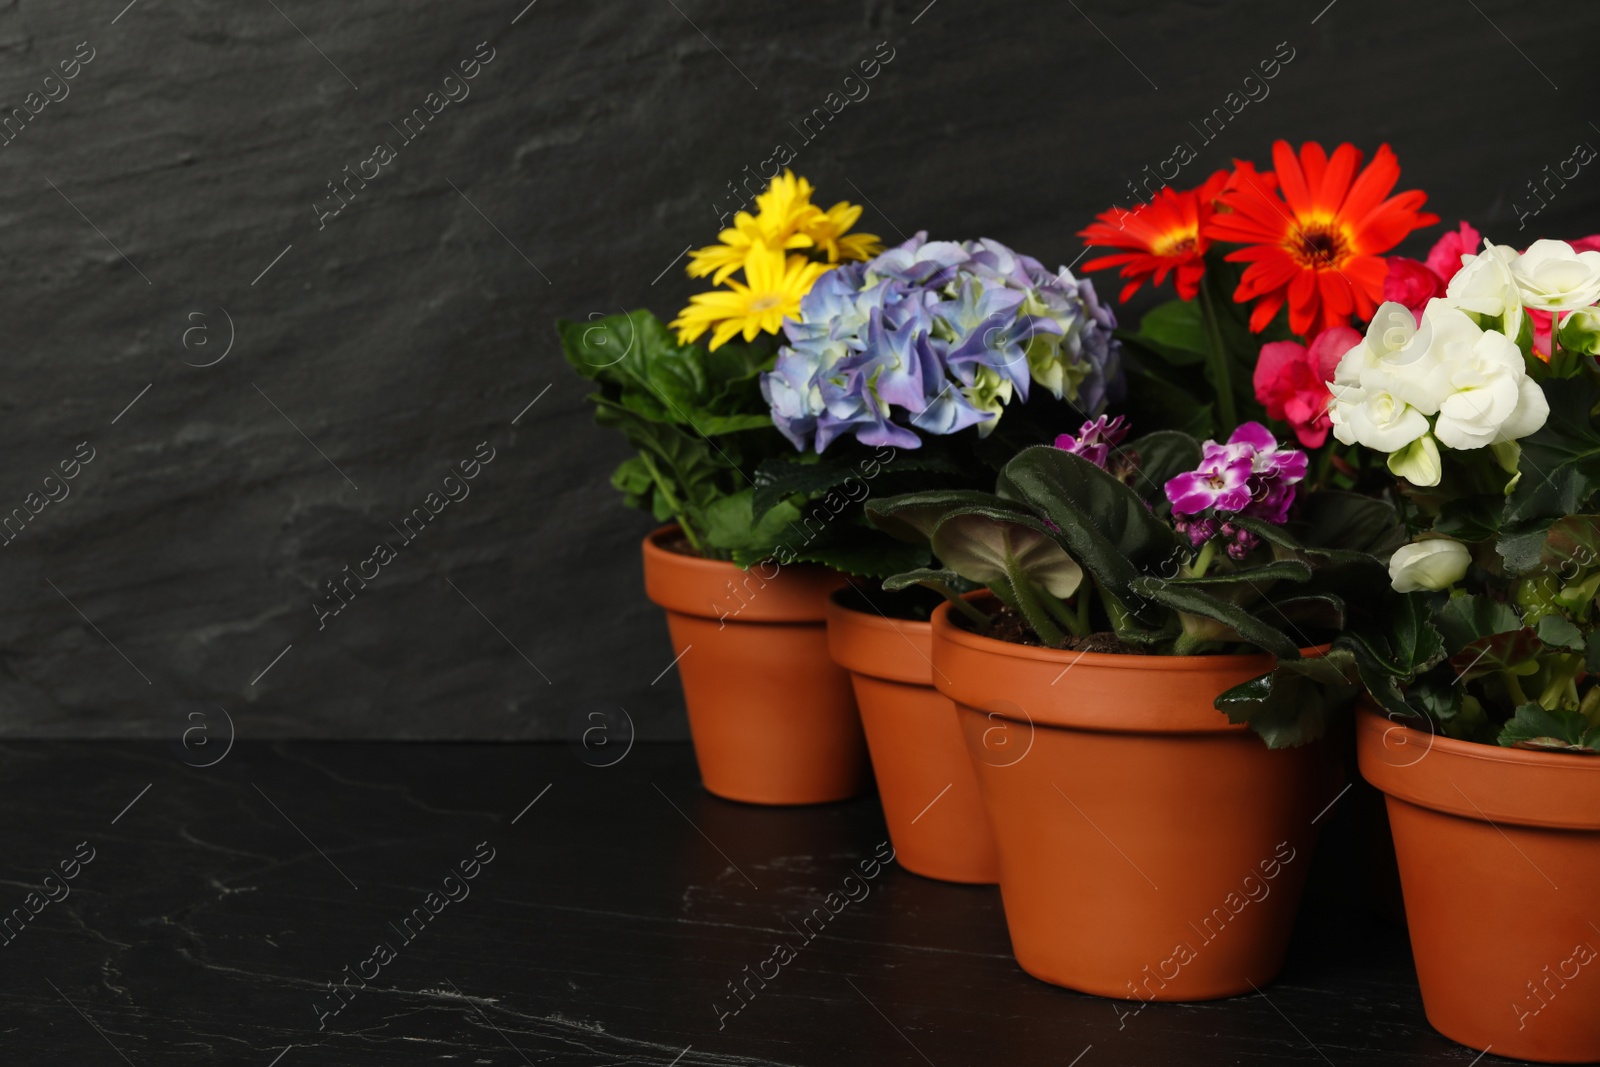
(1291, 380)
(1444, 259)
(1586, 244)
(1541, 331)
(1412, 284)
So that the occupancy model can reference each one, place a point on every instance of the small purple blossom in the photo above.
(1249, 475)
(1221, 482)
(1096, 439)
(1199, 531)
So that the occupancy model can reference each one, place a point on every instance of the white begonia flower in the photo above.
(1552, 277)
(1474, 380)
(1437, 563)
(1491, 398)
(1375, 418)
(1485, 286)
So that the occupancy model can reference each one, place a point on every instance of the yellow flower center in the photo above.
(766, 302)
(1174, 243)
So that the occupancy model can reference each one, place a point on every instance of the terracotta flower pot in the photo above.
(772, 715)
(1149, 849)
(1499, 855)
(925, 780)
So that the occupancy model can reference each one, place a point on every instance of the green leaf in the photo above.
(1561, 462)
(1293, 703)
(782, 476)
(730, 526)
(1540, 728)
(1520, 549)
(1332, 519)
(1557, 631)
(1162, 455)
(1464, 619)
(1471, 518)
(1393, 646)
(1101, 522)
(867, 554)
(1256, 578)
(1174, 331)
(1571, 545)
(1196, 601)
(1323, 611)
(1515, 651)
(985, 546)
(913, 517)
(922, 576)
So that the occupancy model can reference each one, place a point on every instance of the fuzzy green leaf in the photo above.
(1540, 728)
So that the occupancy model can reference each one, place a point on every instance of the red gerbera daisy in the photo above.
(1161, 237)
(1316, 245)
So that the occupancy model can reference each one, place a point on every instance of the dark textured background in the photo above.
(408, 330)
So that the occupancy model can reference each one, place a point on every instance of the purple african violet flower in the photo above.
(1222, 481)
(1096, 439)
(1250, 476)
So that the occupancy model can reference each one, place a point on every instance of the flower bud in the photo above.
(1418, 462)
(1435, 563)
(1580, 331)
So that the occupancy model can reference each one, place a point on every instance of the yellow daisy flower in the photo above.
(746, 233)
(772, 291)
(825, 231)
(785, 204)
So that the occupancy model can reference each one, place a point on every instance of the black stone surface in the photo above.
(167, 206)
(619, 902)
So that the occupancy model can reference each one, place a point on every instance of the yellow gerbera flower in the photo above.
(826, 231)
(772, 291)
(785, 204)
(746, 233)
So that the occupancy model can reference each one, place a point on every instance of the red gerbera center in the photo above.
(1313, 230)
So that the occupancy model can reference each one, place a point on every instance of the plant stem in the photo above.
(1513, 689)
(676, 508)
(1085, 595)
(1202, 562)
(1036, 614)
(1062, 614)
(1217, 362)
(1324, 463)
(1114, 611)
(960, 603)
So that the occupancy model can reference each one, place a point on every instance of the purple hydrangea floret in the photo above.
(932, 337)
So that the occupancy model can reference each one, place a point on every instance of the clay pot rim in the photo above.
(690, 585)
(1509, 786)
(678, 559)
(876, 646)
(874, 619)
(949, 631)
(1475, 750)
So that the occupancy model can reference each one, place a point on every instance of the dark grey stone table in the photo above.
(234, 914)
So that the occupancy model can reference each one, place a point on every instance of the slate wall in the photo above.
(175, 201)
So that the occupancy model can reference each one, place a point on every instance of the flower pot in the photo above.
(1149, 849)
(772, 716)
(925, 780)
(1499, 855)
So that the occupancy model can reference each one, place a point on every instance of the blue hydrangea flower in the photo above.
(932, 337)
